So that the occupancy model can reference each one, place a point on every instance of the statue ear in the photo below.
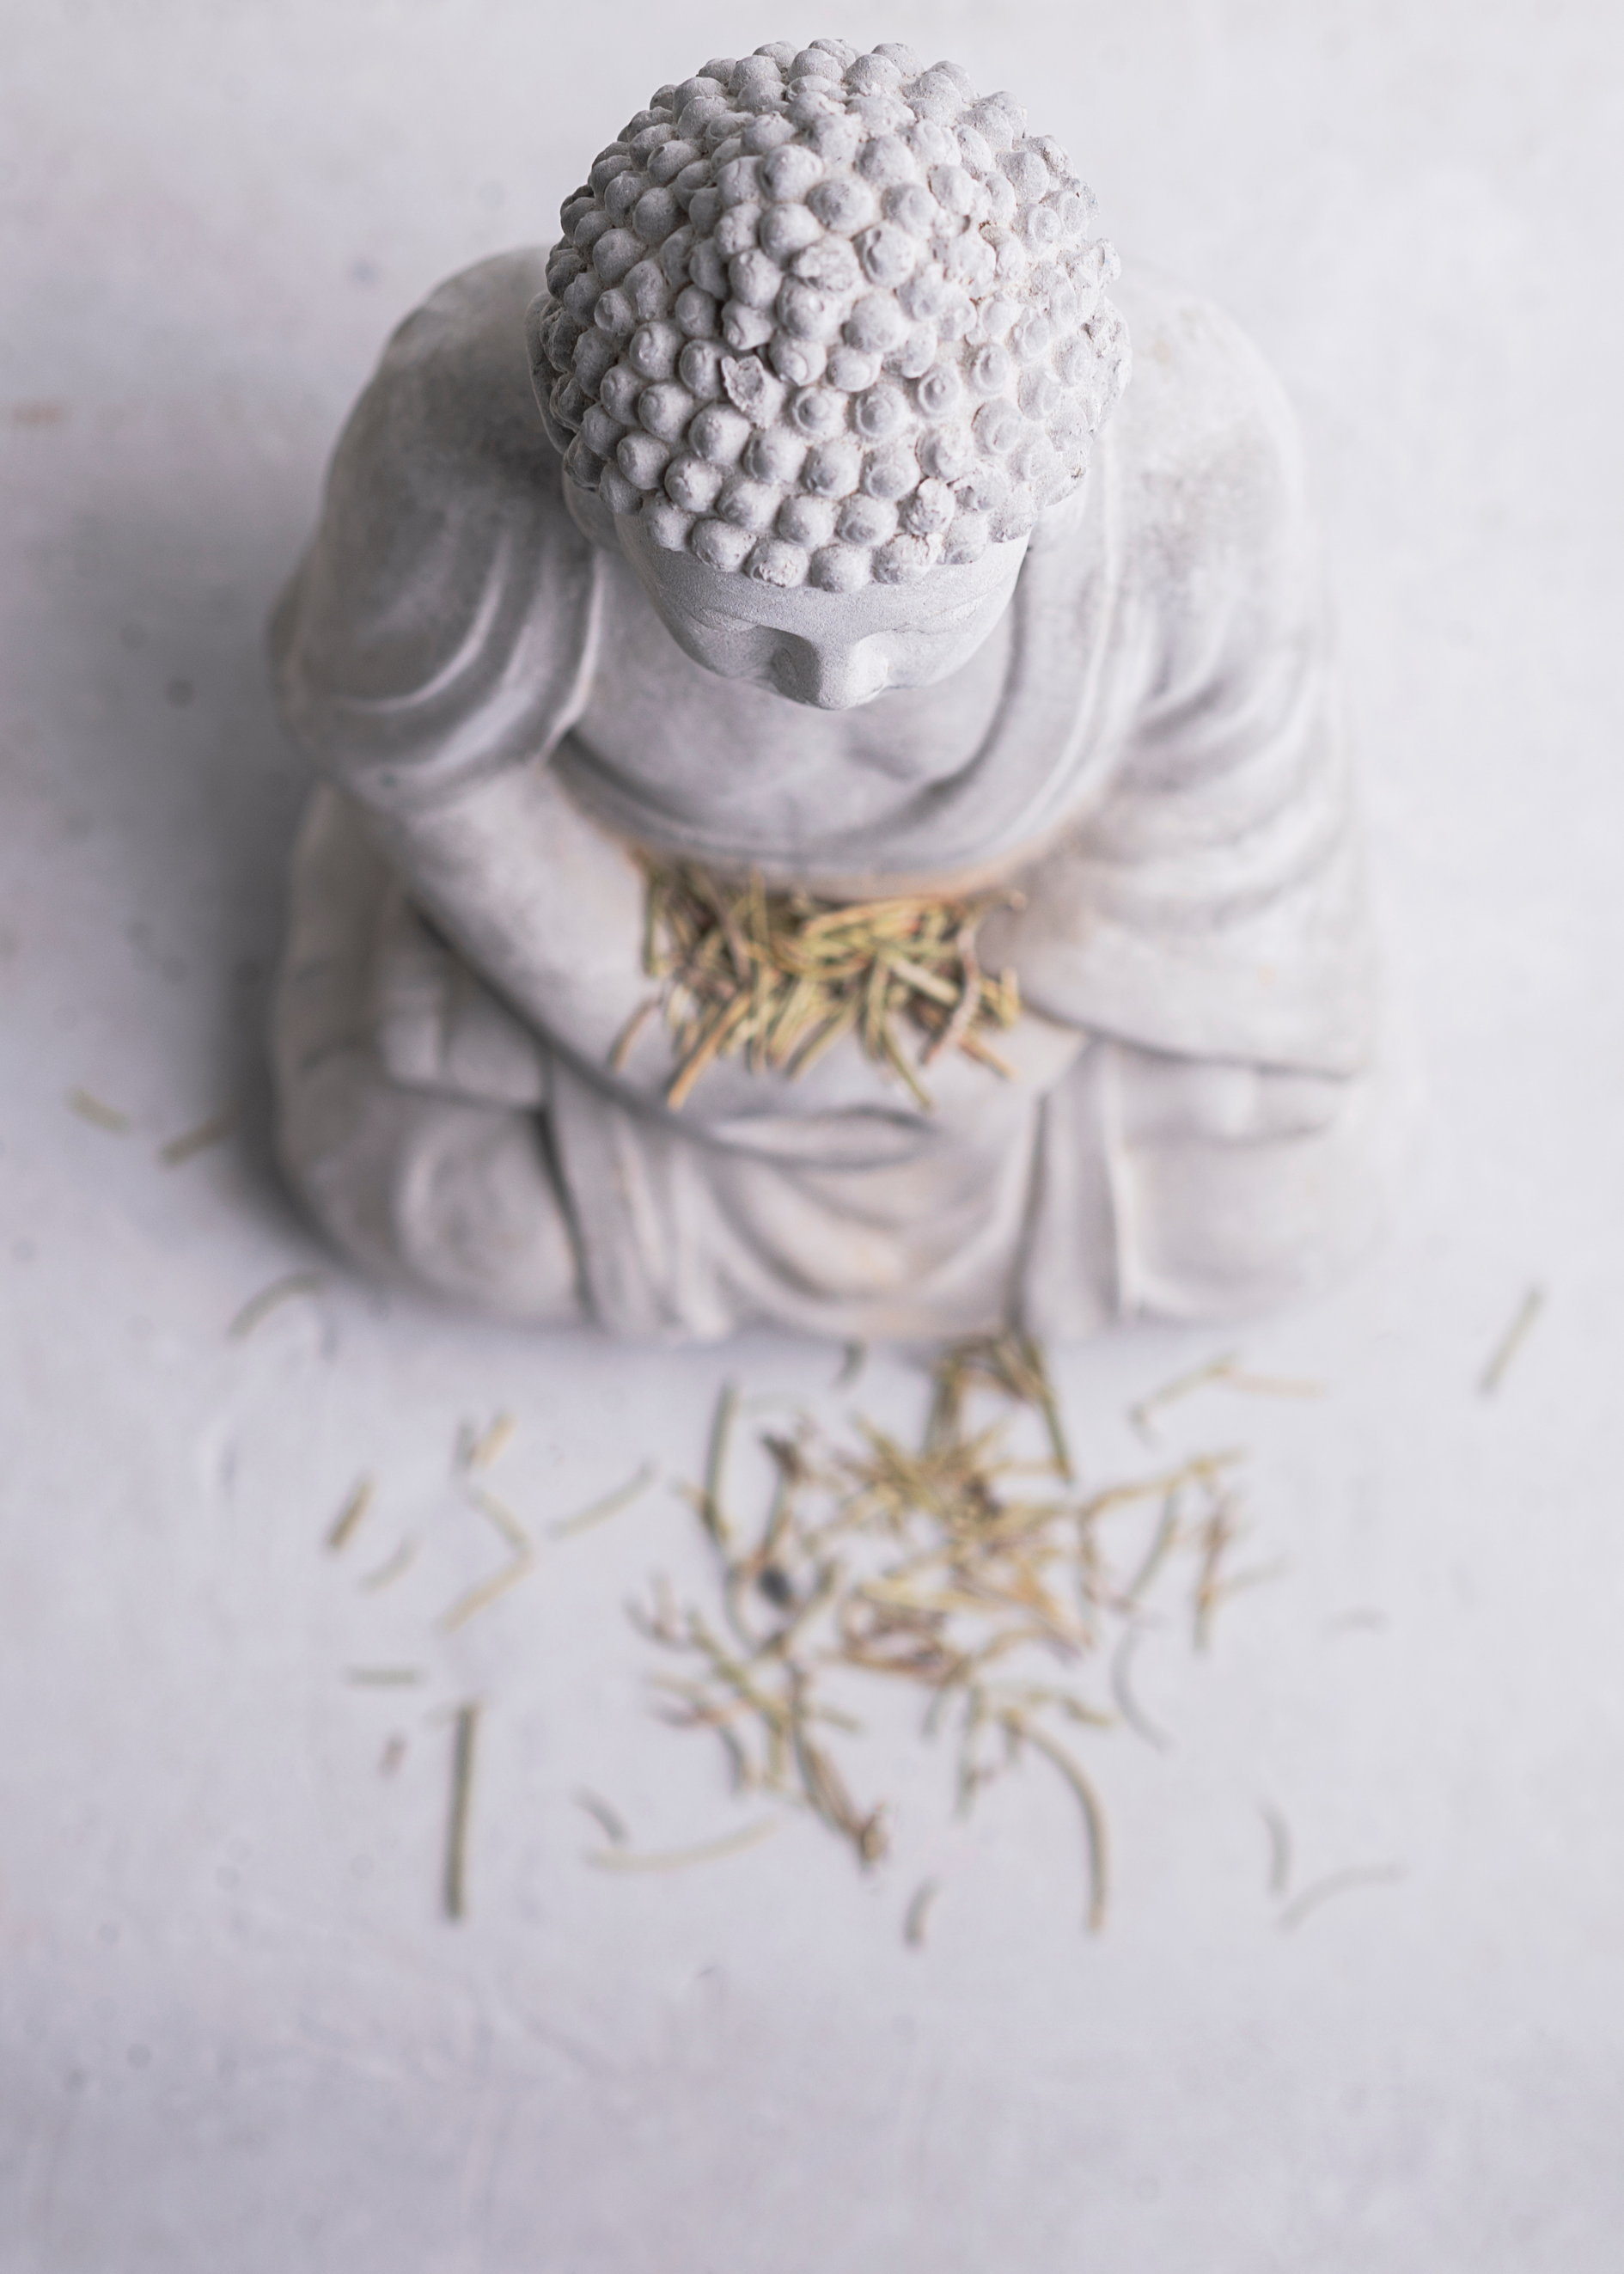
(1062, 517)
(542, 374)
(592, 517)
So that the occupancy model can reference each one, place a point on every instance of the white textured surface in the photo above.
(234, 2031)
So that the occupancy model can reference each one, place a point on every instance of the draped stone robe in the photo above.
(1202, 1116)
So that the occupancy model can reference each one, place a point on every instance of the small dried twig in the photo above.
(488, 1591)
(1270, 1385)
(825, 1789)
(1181, 1386)
(1510, 1343)
(917, 1916)
(1093, 1822)
(711, 1509)
(1226, 1372)
(214, 1130)
(1217, 1536)
(1279, 1850)
(348, 1520)
(952, 1036)
(628, 1034)
(1122, 1691)
(1011, 1364)
(504, 1520)
(679, 1859)
(258, 1307)
(1338, 1883)
(98, 1113)
(394, 1567)
(1204, 1470)
(1164, 1540)
(521, 1563)
(489, 1446)
(611, 1504)
(1258, 1575)
(463, 1741)
(850, 1364)
(608, 1819)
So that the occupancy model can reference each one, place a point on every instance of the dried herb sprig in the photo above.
(779, 977)
(1009, 1362)
(258, 1307)
(981, 1579)
(1510, 1343)
(1227, 1373)
(465, 1734)
(214, 1130)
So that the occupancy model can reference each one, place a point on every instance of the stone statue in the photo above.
(834, 812)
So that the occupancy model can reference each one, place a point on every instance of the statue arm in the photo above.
(1244, 1101)
(542, 904)
(436, 644)
(1213, 908)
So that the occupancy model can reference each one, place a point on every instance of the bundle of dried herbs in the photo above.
(781, 977)
(983, 1576)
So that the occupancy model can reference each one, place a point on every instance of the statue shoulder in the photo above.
(436, 626)
(1206, 439)
(453, 384)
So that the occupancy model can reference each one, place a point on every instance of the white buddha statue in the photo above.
(784, 523)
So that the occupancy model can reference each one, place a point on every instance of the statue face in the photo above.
(831, 650)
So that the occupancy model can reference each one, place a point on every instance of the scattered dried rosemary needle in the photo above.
(607, 1818)
(973, 1568)
(464, 1737)
(258, 1307)
(917, 1915)
(98, 1113)
(1225, 1373)
(484, 1449)
(1279, 1850)
(1338, 1883)
(502, 1517)
(519, 1566)
(345, 1524)
(601, 1510)
(214, 1130)
(1510, 1343)
(394, 1567)
(778, 978)
(852, 1364)
(1128, 1705)
(679, 1859)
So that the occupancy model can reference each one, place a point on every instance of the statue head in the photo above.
(822, 325)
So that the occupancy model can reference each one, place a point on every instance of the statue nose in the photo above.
(836, 679)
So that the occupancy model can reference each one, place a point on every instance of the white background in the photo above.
(236, 2035)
